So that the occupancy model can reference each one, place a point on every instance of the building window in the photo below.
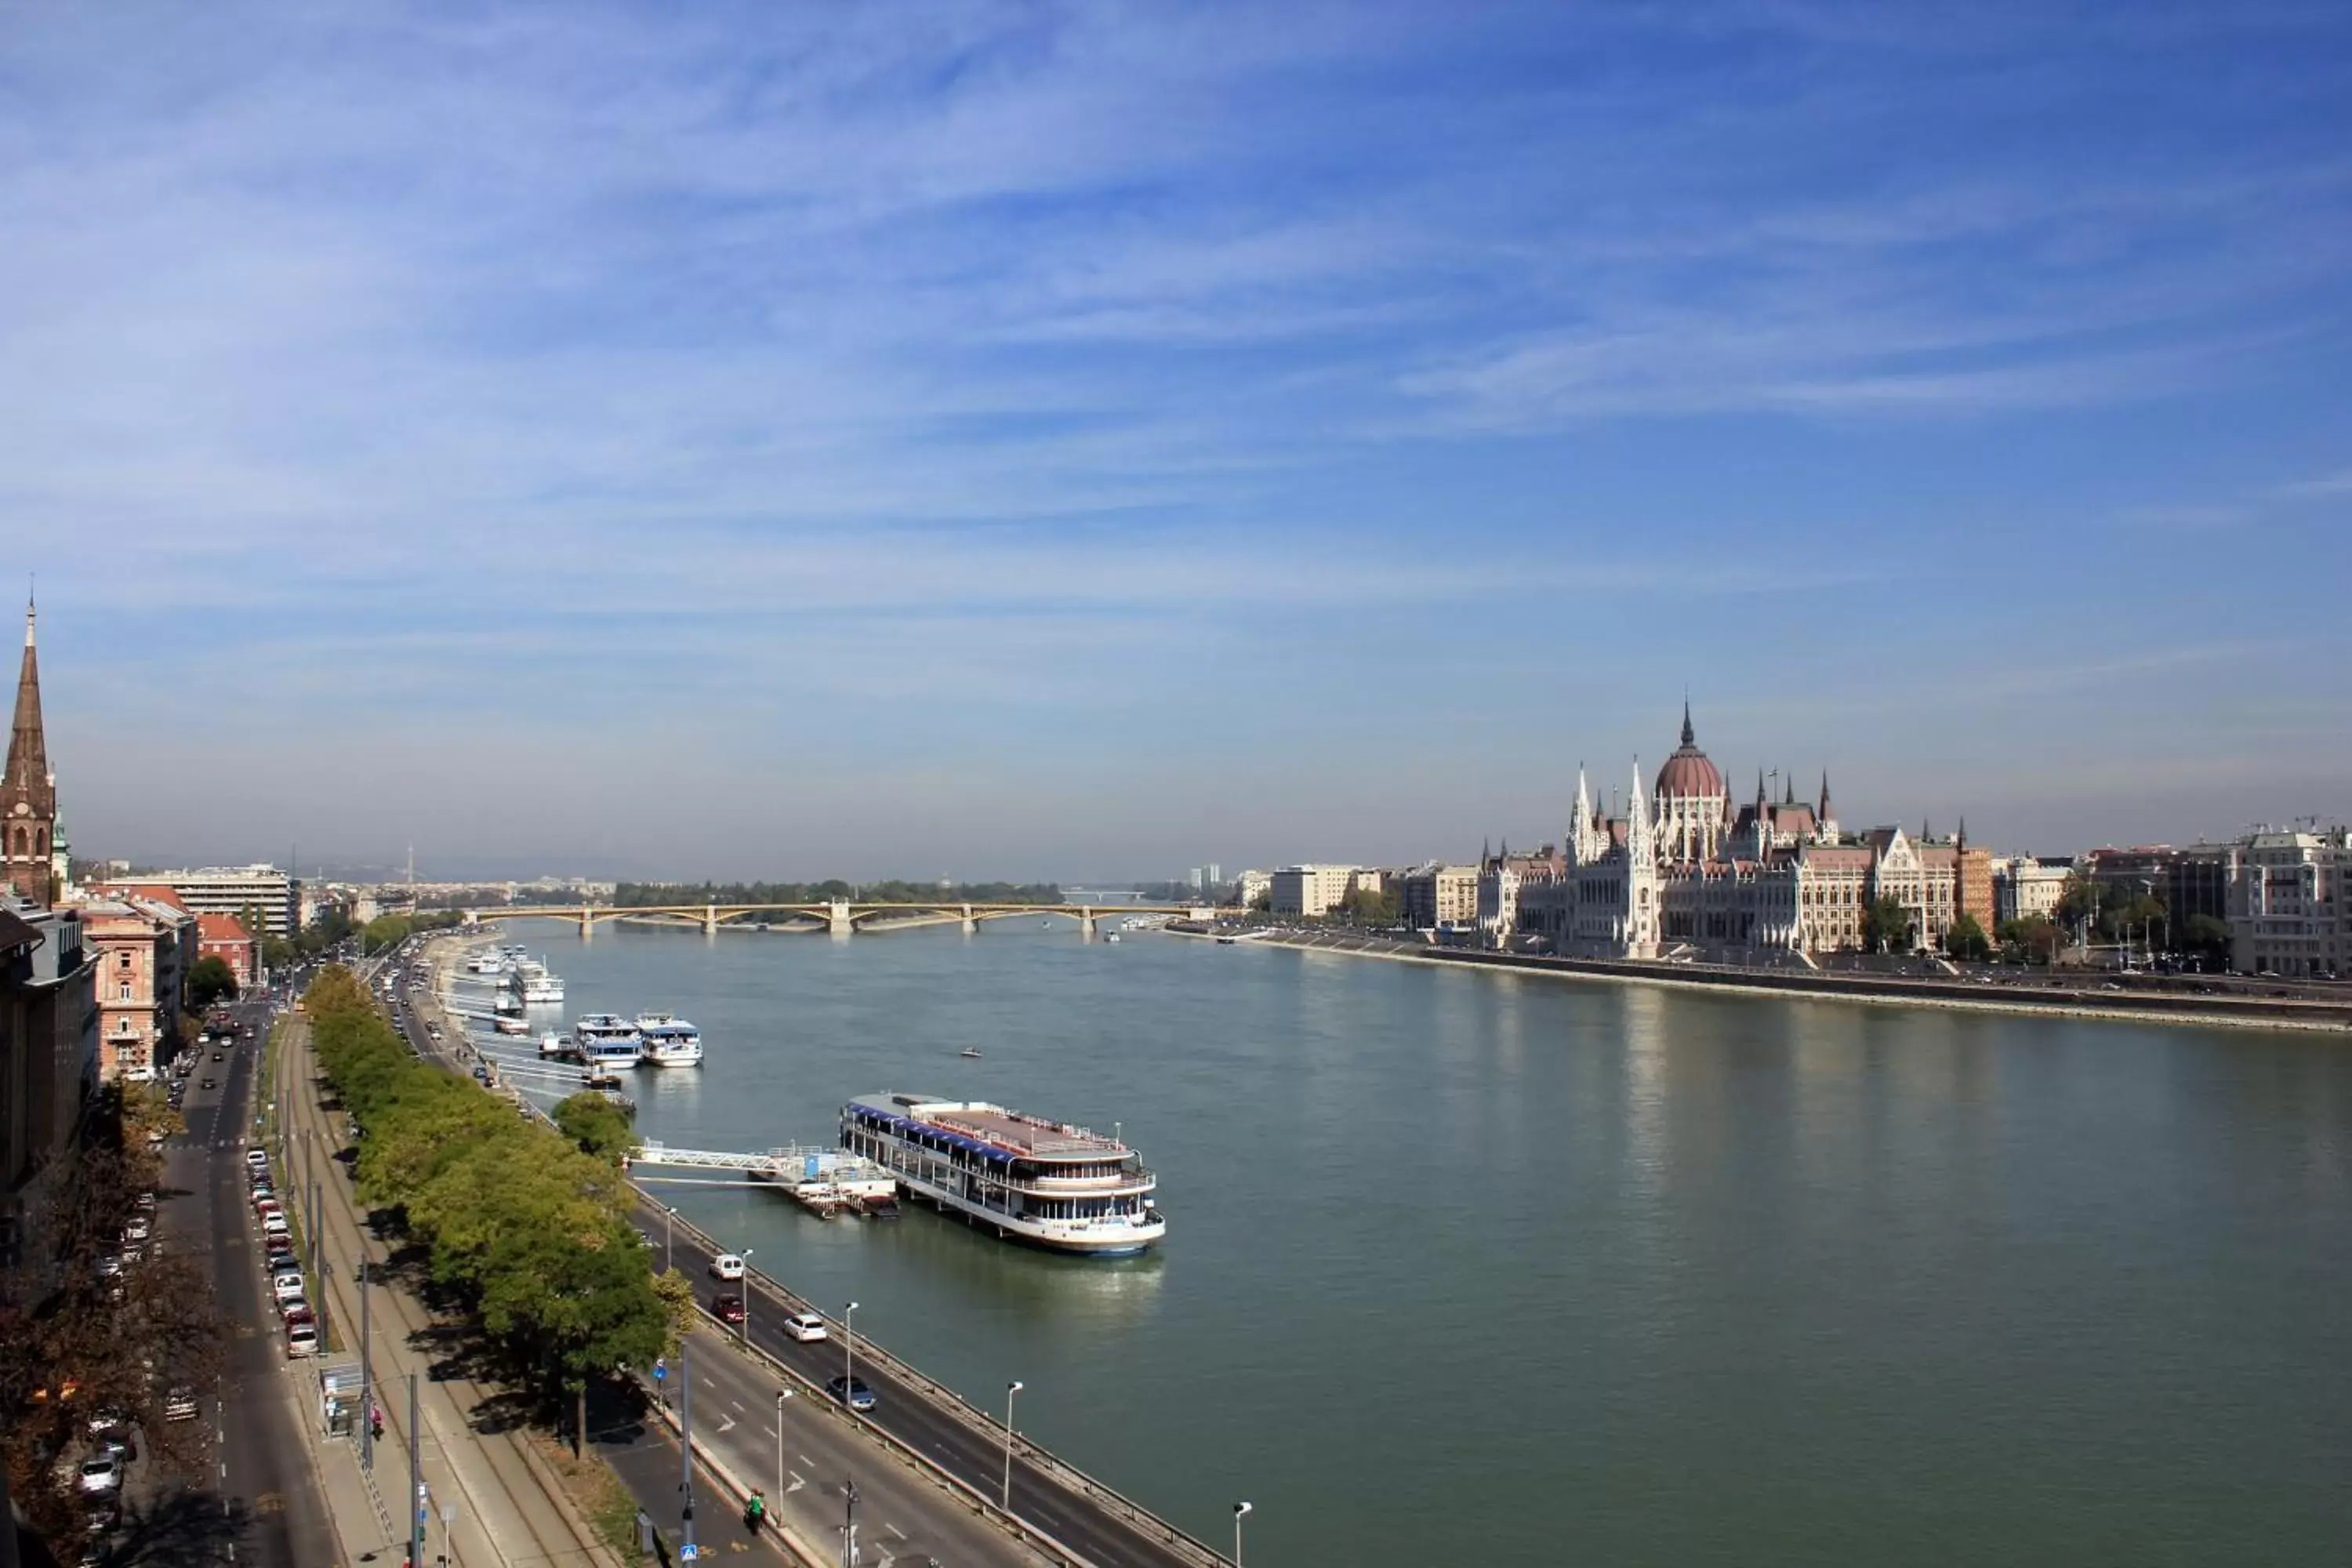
(126, 991)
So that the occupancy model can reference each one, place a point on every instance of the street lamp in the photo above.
(1239, 1509)
(848, 1356)
(1010, 1390)
(746, 1325)
(669, 1240)
(781, 1395)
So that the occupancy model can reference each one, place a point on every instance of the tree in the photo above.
(2205, 933)
(210, 980)
(2031, 939)
(1366, 906)
(1967, 939)
(1887, 925)
(600, 1127)
(1263, 903)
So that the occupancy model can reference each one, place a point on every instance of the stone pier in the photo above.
(836, 918)
(970, 926)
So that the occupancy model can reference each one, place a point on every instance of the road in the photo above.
(264, 1462)
(970, 1450)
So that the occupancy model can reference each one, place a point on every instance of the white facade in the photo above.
(216, 890)
(1252, 886)
(1309, 890)
(2024, 887)
(2288, 914)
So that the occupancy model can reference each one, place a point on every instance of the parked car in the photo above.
(727, 1266)
(302, 1339)
(99, 1473)
(275, 1224)
(287, 1285)
(727, 1308)
(804, 1326)
(256, 1157)
(852, 1392)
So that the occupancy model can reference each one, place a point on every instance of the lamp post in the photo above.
(367, 1377)
(848, 1356)
(781, 1395)
(1239, 1509)
(746, 1325)
(1010, 1390)
(849, 1524)
(670, 1240)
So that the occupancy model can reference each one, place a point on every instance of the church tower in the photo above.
(1642, 891)
(28, 793)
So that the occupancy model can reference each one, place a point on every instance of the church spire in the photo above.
(1690, 736)
(28, 797)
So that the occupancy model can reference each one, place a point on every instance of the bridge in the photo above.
(836, 917)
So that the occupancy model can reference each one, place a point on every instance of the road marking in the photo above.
(736, 1403)
(726, 1423)
(809, 1462)
(799, 1481)
(893, 1530)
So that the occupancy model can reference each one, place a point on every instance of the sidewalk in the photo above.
(489, 1504)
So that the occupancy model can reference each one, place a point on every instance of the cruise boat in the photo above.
(604, 1039)
(1051, 1185)
(664, 1041)
(534, 983)
(510, 1025)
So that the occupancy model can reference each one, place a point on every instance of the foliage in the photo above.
(1365, 906)
(1887, 925)
(2117, 913)
(676, 1292)
(642, 895)
(600, 1127)
(1264, 902)
(210, 980)
(76, 1340)
(1967, 939)
(391, 931)
(2205, 933)
(2031, 939)
(530, 1231)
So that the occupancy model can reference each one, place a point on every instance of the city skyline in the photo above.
(1056, 443)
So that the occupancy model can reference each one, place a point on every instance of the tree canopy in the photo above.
(1967, 939)
(210, 980)
(529, 1227)
(1887, 925)
(600, 1127)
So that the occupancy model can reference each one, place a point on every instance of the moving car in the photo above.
(727, 1266)
(852, 1392)
(727, 1309)
(804, 1326)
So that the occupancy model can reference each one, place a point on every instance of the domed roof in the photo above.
(1688, 773)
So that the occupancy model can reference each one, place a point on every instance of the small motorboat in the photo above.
(970, 1052)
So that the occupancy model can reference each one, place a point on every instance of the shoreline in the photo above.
(1861, 990)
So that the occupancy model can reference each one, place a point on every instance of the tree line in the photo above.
(87, 1331)
(644, 895)
(527, 1226)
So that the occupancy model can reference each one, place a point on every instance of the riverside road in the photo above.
(904, 1514)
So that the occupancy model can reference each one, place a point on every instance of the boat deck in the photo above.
(1029, 1137)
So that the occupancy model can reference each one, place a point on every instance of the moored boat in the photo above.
(1044, 1183)
(664, 1041)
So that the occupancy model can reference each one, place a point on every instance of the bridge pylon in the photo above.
(1086, 924)
(587, 922)
(836, 918)
(710, 919)
(970, 926)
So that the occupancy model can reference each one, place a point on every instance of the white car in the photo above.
(137, 1230)
(727, 1266)
(256, 1157)
(302, 1339)
(275, 1224)
(287, 1286)
(101, 1474)
(804, 1326)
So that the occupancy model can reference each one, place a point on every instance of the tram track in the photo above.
(507, 1489)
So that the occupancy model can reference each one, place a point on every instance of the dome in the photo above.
(1688, 773)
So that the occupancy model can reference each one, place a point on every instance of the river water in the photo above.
(1476, 1267)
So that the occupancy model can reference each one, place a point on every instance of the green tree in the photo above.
(210, 980)
(2031, 939)
(1887, 925)
(1365, 906)
(1967, 939)
(600, 1127)
(2206, 934)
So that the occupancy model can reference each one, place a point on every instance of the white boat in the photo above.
(664, 1041)
(1049, 1185)
(505, 1025)
(534, 983)
(604, 1039)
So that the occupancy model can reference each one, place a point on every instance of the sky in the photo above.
(1080, 441)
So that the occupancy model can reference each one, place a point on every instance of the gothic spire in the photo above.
(1690, 736)
(29, 753)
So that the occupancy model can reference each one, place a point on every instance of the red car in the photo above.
(727, 1309)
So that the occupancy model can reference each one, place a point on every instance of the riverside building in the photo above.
(1680, 873)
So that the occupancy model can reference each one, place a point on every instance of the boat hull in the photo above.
(1046, 1236)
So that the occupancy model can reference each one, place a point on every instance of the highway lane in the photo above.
(263, 1463)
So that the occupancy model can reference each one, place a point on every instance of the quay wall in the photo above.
(2214, 1011)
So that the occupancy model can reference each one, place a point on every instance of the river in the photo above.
(1479, 1267)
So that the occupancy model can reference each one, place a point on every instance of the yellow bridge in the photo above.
(838, 916)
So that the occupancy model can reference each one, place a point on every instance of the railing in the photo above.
(1071, 1478)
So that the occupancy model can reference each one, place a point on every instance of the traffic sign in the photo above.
(661, 1371)
(689, 1553)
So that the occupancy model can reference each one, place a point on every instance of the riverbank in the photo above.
(2086, 1001)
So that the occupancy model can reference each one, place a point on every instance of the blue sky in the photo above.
(1082, 440)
